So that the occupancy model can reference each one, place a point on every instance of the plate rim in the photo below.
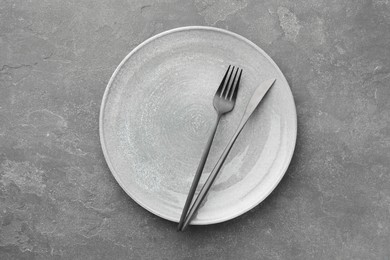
(104, 148)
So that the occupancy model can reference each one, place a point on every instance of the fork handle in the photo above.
(198, 174)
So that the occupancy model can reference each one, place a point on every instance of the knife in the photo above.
(253, 103)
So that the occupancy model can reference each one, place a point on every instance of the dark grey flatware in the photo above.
(253, 103)
(224, 101)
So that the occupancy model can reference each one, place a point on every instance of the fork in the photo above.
(224, 101)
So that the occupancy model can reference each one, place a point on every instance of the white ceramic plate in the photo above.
(157, 112)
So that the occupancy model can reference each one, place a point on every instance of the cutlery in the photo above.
(253, 103)
(224, 101)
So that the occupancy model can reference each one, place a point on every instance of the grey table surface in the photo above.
(58, 198)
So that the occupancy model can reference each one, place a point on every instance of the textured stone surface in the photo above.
(58, 198)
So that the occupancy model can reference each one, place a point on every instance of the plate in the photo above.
(157, 114)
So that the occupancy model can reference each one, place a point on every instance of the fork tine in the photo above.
(223, 93)
(235, 88)
(231, 85)
(220, 88)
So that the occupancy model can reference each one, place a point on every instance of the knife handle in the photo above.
(209, 182)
